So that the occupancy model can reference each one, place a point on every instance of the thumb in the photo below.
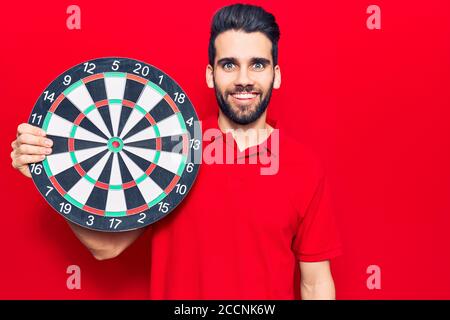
(25, 171)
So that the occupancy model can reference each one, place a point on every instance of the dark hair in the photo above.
(247, 18)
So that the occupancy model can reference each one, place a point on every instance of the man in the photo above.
(239, 234)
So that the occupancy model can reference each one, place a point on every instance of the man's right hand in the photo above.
(30, 146)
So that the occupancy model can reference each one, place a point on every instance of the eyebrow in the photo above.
(227, 60)
(263, 61)
(254, 60)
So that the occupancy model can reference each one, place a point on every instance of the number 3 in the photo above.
(90, 221)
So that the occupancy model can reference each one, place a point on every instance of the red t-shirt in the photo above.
(240, 234)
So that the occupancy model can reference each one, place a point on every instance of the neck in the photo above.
(246, 135)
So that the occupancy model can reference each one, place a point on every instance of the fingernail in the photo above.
(43, 133)
(48, 142)
(42, 157)
(48, 150)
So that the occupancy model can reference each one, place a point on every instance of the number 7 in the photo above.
(49, 190)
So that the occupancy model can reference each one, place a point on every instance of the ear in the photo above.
(209, 76)
(277, 78)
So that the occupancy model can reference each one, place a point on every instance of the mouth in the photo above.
(245, 96)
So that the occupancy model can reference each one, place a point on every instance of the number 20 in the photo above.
(143, 70)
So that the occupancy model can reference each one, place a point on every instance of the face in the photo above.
(243, 75)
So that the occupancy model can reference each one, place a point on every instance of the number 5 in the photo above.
(115, 65)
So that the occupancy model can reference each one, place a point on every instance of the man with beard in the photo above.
(239, 234)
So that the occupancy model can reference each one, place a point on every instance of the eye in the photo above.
(228, 66)
(258, 66)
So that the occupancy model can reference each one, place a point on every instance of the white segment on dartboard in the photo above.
(168, 160)
(167, 127)
(145, 134)
(170, 126)
(148, 99)
(147, 154)
(85, 154)
(83, 188)
(115, 89)
(59, 162)
(81, 99)
(148, 188)
(62, 161)
(61, 127)
(116, 198)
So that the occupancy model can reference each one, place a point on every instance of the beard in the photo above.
(243, 114)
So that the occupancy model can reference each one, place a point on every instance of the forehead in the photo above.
(243, 46)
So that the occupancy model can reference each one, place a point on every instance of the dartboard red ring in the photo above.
(126, 139)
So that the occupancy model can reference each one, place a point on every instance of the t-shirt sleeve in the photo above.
(317, 237)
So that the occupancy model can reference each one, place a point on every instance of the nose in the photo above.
(244, 78)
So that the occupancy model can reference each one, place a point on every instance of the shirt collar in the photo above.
(229, 143)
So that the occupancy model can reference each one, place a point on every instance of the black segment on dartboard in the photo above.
(161, 176)
(141, 125)
(97, 198)
(146, 144)
(97, 90)
(124, 172)
(88, 164)
(68, 178)
(124, 115)
(161, 111)
(133, 196)
(106, 173)
(60, 144)
(106, 116)
(67, 110)
(83, 144)
(142, 163)
(133, 90)
(88, 125)
(170, 144)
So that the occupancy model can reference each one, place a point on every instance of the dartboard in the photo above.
(125, 143)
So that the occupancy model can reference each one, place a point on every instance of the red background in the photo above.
(374, 104)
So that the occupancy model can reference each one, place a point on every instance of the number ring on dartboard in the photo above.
(126, 144)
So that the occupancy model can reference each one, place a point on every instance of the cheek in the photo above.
(265, 81)
(223, 81)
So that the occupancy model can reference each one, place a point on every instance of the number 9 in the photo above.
(67, 80)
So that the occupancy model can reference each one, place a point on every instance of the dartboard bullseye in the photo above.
(125, 137)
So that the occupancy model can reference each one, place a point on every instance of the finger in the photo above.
(30, 149)
(23, 169)
(14, 144)
(26, 159)
(28, 128)
(27, 138)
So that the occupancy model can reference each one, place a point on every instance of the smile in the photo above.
(244, 95)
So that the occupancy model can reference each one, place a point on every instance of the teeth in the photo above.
(244, 95)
